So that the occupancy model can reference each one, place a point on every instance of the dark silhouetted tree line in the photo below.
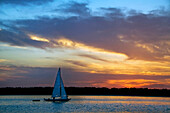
(86, 91)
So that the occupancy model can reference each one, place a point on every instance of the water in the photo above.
(126, 104)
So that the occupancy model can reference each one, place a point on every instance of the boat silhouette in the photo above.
(59, 93)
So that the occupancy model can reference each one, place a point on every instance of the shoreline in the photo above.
(87, 91)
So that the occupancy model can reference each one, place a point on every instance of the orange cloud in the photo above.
(3, 60)
(97, 60)
(136, 82)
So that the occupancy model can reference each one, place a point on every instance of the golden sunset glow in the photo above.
(104, 61)
(134, 82)
(73, 44)
(100, 45)
(32, 37)
(147, 47)
(13, 46)
(136, 68)
(3, 60)
(100, 61)
(6, 68)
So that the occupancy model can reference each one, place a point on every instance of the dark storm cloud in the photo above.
(24, 2)
(114, 30)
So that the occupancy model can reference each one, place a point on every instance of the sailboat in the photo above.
(59, 93)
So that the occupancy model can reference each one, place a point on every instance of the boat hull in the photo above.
(53, 100)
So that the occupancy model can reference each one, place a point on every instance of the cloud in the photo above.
(17, 76)
(5, 68)
(94, 57)
(20, 39)
(38, 38)
(165, 86)
(79, 9)
(132, 83)
(78, 63)
(24, 2)
(139, 42)
(138, 35)
(144, 83)
(4, 60)
(113, 12)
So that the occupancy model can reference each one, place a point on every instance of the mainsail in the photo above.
(59, 90)
(63, 92)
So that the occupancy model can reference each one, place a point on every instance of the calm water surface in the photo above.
(127, 104)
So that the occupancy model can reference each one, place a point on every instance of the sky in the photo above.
(97, 43)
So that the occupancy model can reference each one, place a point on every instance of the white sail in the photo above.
(57, 87)
(63, 92)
